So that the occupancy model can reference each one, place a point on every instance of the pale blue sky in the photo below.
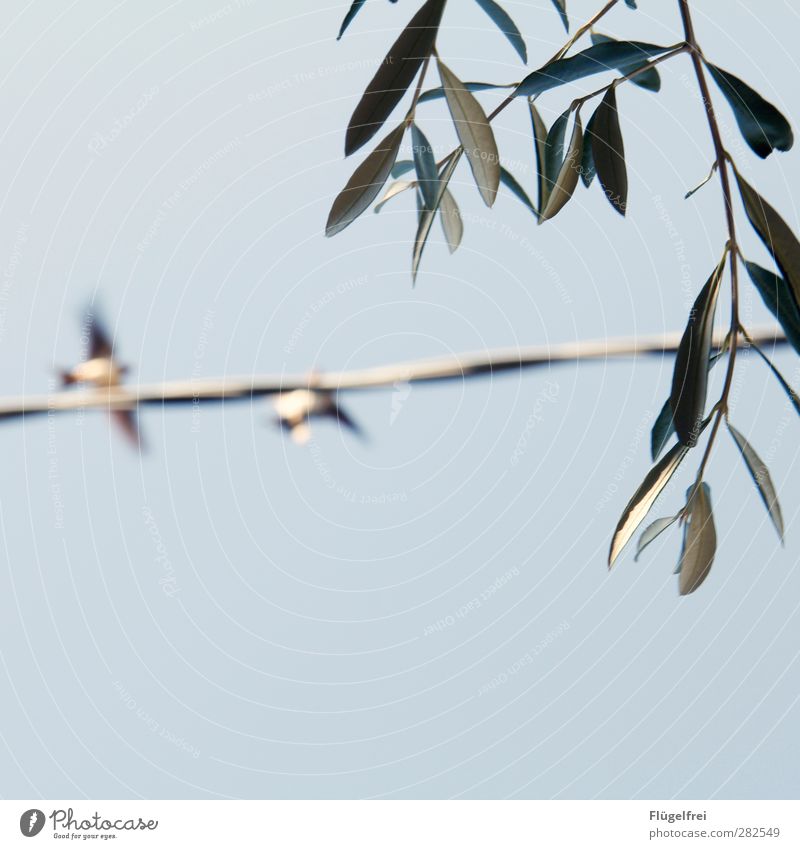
(427, 613)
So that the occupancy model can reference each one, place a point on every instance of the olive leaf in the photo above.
(699, 540)
(354, 9)
(793, 396)
(504, 23)
(777, 296)
(540, 149)
(608, 152)
(625, 56)
(396, 188)
(631, 4)
(398, 69)
(402, 166)
(426, 214)
(761, 124)
(510, 182)
(775, 234)
(761, 476)
(567, 175)
(690, 376)
(644, 498)
(474, 133)
(664, 427)
(561, 7)
(438, 92)
(652, 532)
(366, 182)
(587, 161)
(452, 224)
(425, 165)
(649, 79)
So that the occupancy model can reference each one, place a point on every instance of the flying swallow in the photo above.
(102, 371)
(295, 408)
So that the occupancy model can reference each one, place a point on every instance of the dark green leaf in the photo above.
(761, 476)
(351, 13)
(652, 532)
(402, 166)
(761, 124)
(508, 180)
(540, 147)
(554, 154)
(775, 292)
(649, 79)
(775, 234)
(426, 216)
(438, 92)
(690, 377)
(504, 23)
(474, 133)
(568, 174)
(425, 165)
(362, 188)
(561, 7)
(644, 498)
(587, 162)
(394, 76)
(631, 4)
(662, 430)
(793, 396)
(625, 56)
(664, 426)
(608, 152)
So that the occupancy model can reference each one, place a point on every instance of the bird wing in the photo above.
(99, 340)
(126, 421)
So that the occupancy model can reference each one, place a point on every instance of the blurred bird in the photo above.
(295, 408)
(102, 371)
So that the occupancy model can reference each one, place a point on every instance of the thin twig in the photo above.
(440, 368)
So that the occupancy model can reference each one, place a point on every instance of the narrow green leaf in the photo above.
(608, 152)
(474, 133)
(398, 69)
(588, 170)
(649, 79)
(631, 4)
(568, 175)
(644, 498)
(624, 56)
(425, 165)
(761, 124)
(554, 152)
(402, 166)
(354, 9)
(452, 223)
(509, 181)
(561, 8)
(396, 188)
(504, 23)
(699, 540)
(652, 532)
(662, 430)
(775, 234)
(366, 182)
(690, 377)
(793, 396)
(540, 148)
(664, 427)
(438, 92)
(426, 216)
(775, 293)
(762, 479)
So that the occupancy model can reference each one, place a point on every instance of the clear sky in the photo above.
(426, 613)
